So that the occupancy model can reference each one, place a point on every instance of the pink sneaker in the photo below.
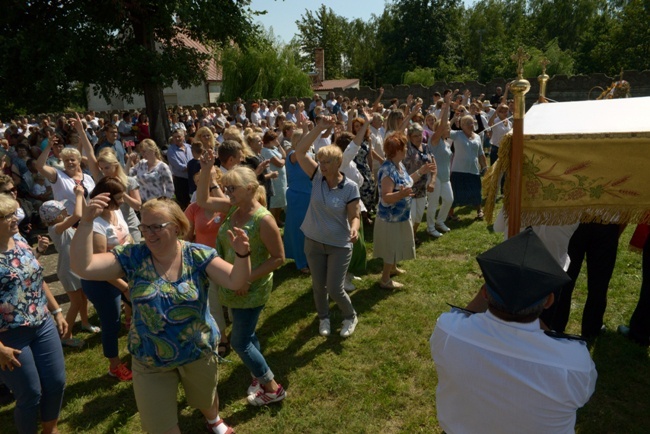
(264, 398)
(254, 387)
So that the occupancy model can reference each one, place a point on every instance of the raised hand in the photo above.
(207, 159)
(43, 243)
(77, 124)
(95, 206)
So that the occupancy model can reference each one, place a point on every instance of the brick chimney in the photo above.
(319, 63)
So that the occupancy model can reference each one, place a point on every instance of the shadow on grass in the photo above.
(294, 356)
(621, 397)
(99, 408)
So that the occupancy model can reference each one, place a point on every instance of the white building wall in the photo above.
(175, 95)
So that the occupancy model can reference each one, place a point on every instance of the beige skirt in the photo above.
(393, 242)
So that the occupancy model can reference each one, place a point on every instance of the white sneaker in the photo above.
(324, 327)
(348, 326)
(348, 285)
(434, 233)
(254, 387)
(442, 228)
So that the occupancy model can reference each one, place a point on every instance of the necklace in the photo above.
(239, 217)
(169, 269)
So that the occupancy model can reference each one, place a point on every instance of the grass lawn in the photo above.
(382, 378)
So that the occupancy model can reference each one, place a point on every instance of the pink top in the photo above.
(206, 227)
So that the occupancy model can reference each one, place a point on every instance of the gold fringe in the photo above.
(567, 216)
(491, 184)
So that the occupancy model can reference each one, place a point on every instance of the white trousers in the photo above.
(442, 191)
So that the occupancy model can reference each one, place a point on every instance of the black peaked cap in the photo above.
(520, 272)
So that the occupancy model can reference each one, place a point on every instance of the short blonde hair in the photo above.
(7, 204)
(330, 152)
(242, 176)
(172, 210)
(70, 152)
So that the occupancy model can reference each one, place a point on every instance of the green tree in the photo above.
(327, 30)
(263, 71)
(123, 47)
(561, 61)
(418, 33)
(424, 76)
(363, 56)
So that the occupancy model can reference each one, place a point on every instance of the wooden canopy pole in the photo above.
(519, 88)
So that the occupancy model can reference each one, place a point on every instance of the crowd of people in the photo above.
(184, 236)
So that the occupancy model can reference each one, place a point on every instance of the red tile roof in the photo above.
(334, 84)
(214, 73)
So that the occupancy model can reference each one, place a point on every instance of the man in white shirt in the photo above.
(498, 371)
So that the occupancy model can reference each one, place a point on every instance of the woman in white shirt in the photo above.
(109, 230)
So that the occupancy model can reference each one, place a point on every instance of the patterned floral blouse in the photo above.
(154, 183)
(401, 210)
(413, 160)
(260, 290)
(172, 325)
(22, 299)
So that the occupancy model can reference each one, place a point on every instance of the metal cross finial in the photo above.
(520, 57)
(544, 62)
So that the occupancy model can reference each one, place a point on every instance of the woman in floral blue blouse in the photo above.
(173, 337)
(393, 233)
(31, 357)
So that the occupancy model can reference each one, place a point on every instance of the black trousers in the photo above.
(598, 243)
(640, 321)
(182, 191)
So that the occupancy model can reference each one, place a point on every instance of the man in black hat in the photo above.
(498, 371)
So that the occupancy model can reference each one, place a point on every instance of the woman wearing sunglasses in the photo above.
(245, 211)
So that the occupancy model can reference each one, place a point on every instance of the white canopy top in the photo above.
(613, 116)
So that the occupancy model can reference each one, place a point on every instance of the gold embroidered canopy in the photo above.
(583, 161)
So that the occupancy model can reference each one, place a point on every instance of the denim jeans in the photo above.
(245, 343)
(38, 384)
(106, 299)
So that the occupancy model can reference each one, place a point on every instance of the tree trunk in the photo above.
(157, 113)
(153, 93)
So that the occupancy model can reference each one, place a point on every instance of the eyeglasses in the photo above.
(212, 187)
(153, 228)
(229, 189)
(10, 190)
(9, 217)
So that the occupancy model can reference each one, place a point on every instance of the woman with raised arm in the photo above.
(173, 338)
(244, 211)
(331, 227)
(439, 185)
(64, 181)
(106, 164)
(393, 233)
(467, 166)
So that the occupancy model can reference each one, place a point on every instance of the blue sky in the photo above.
(282, 15)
